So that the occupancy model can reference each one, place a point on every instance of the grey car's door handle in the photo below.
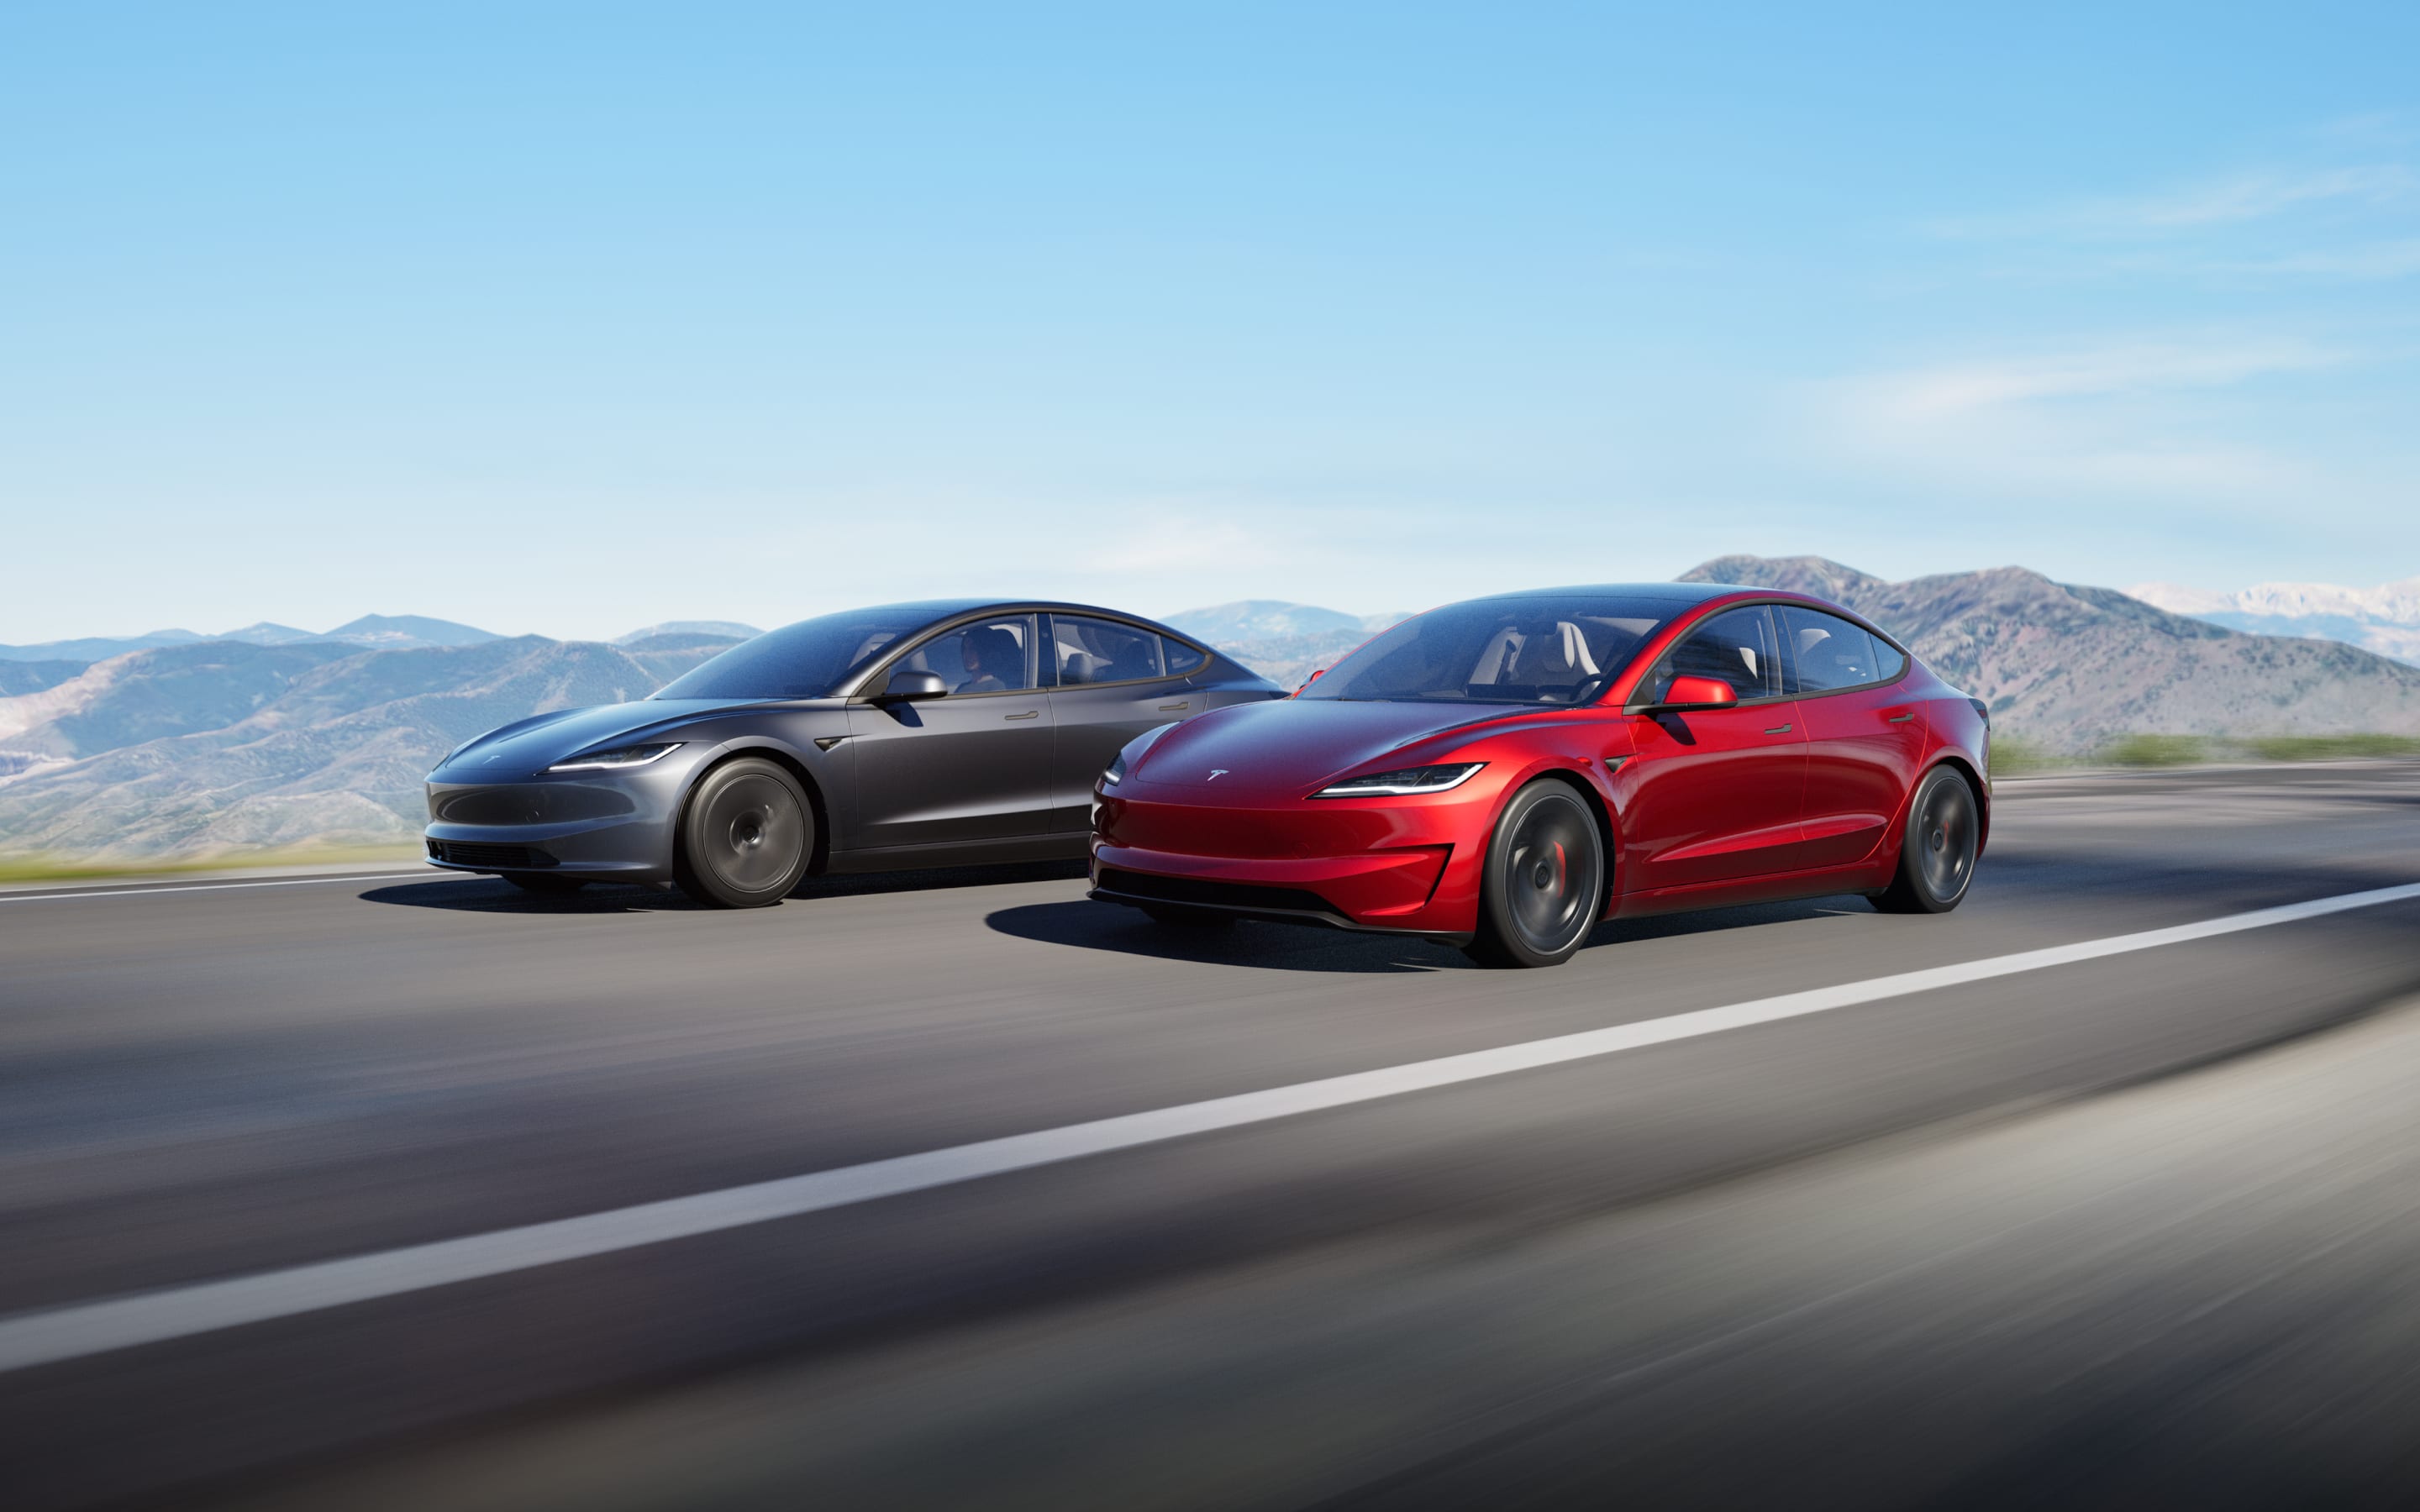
(1173, 709)
(1029, 714)
(1777, 730)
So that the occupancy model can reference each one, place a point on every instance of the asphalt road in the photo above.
(2112, 1231)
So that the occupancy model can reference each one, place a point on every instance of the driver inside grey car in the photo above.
(992, 654)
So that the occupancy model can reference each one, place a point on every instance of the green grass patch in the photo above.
(2330, 747)
(2157, 751)
(2016, 756)
(49, 868)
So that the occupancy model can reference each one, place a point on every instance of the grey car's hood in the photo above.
(533, 745)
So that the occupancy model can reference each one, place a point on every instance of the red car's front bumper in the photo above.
(1408, 865)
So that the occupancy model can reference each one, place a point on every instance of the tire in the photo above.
(1176, 916)
(1936, 857)
(544, 884)
(1544, 884)
(746, 836)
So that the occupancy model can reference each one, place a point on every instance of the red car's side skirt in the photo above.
(1780, 886)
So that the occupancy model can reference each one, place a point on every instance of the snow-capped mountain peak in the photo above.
(2385, 619)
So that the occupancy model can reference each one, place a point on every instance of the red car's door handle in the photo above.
(1900, 718)
(1777, 730)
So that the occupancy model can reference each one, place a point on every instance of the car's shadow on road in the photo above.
(493, 895)
(1250, 942)
(1275, 946)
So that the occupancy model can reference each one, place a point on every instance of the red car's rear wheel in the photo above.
(1545, 883)
(1936, 859)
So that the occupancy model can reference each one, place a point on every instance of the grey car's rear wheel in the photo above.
(746, 836)
(544, 883)
(1936, 857)
(1544, 884)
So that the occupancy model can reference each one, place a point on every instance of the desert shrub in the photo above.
(2156, 751)
(2330, 747)
(2016, 756)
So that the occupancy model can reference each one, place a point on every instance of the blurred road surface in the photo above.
(2121, 1232)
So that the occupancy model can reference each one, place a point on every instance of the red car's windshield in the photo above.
(1525, 650)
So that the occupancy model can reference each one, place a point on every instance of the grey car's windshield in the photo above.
(804, 661)
(1528, 650)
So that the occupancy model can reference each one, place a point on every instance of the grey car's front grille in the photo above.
(527, 803)
(503, 857)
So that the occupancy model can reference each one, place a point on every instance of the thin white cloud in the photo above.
(2116, 419)
(1936, 392)
(1170, 544)
(2383, 259)
(2226, 202)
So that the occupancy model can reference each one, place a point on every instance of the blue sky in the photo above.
(568, 319)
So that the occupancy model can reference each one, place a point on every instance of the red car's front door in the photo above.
(1713, 795)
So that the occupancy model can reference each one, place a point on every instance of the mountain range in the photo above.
(2070, 667)
(196, 747)
(1283, 642)
(229, 746)
(2385, 619)
(393, 631)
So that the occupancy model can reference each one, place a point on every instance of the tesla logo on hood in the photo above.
(1215, 773)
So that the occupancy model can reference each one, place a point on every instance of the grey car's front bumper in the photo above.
(616, 827)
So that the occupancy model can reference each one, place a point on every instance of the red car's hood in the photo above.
(1294, 744)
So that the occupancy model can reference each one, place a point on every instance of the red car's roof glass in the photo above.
(1523, 650)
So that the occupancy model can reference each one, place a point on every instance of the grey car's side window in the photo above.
(995, 656)
(1099, 651)
(1734, 647)
(1181, 658)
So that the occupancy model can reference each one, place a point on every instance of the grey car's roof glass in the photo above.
(1539, 648)
(811, 658)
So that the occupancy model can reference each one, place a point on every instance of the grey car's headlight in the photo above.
(1135, 748)
(1397, 783)
(616, 760)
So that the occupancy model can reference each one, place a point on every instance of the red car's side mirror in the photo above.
(1699, 693)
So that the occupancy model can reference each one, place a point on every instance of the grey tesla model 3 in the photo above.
(938, 734)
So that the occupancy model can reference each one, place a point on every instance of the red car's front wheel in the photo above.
(1545, 883)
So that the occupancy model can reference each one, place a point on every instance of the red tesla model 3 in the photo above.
(1503, 773)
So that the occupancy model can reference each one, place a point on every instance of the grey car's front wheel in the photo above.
(746, 836)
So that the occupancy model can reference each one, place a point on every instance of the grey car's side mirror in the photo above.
(907, 684)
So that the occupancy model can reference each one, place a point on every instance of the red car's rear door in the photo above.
(1715, 795)
(1865, 737)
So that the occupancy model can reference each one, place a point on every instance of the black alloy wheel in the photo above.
(1543, 888)
(1936, 857)
(746, 836)
(544, 884)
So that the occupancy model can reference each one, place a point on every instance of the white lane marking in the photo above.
(139, 891)
(83, 1329)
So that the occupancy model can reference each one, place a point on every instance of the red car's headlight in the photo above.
(1396, 784)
